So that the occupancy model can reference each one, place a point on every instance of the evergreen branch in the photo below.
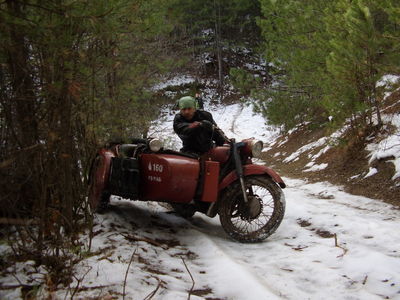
(62, 12)
(17, 16)
(59, 11)
(295, 90)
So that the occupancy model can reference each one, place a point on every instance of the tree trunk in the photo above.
(217, 23)
(22, 83)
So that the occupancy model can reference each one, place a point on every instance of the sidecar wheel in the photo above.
(98, 198)
(184, 210)
(255, 221)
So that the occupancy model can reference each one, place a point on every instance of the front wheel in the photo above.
(257, 219)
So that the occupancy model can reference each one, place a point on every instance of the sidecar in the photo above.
(163, 176)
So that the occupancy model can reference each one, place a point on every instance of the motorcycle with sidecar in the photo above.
(247, 197)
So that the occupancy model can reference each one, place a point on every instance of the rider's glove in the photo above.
(194, 124)
(207, 125)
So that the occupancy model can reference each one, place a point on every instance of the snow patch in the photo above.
(355, 176)
(388, 80)
(371, 172)
(175, 81)
(388, 147)
(314, 168)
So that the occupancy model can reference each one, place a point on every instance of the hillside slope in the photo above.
(367, 164)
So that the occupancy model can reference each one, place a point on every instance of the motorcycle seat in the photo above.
(127, 150)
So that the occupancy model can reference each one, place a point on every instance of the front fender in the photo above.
(251, 170)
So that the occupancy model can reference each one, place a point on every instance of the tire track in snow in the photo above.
(210, 267)
(235, 117)
(244, 283)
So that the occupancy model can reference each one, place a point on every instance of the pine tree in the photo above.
(390, 24)
(329, 56)
(355, 60)
(296, 47)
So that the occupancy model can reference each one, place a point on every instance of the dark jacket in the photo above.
(198, 139)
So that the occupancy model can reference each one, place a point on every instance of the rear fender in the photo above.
(248, 170)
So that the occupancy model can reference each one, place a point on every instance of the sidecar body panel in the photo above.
(210, 185)
(99, 175)
(168, 177)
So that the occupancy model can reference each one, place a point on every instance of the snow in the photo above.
(312, 167)
(387, 80)
(313, 145)
(175, 81)
(330, 245)
(371, 172)
(388, 147)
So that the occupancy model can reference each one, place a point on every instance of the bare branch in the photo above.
(152, 294)
(191, 289)
(79, 282)
(337, 245)
(19, 281)
(144, 239)
(5, 163)
(13, 221)
(126, 274)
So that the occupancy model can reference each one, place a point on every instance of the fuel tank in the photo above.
(219, 154)
(168, 177)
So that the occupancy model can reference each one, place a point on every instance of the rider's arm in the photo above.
(219, 136)
(184, 128)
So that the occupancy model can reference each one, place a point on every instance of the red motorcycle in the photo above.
(224, 181)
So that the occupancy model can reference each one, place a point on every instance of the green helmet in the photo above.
(187, 102)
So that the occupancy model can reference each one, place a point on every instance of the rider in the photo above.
(196, 128)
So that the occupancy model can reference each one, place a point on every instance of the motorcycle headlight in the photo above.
(155, 145)
(256, 148)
